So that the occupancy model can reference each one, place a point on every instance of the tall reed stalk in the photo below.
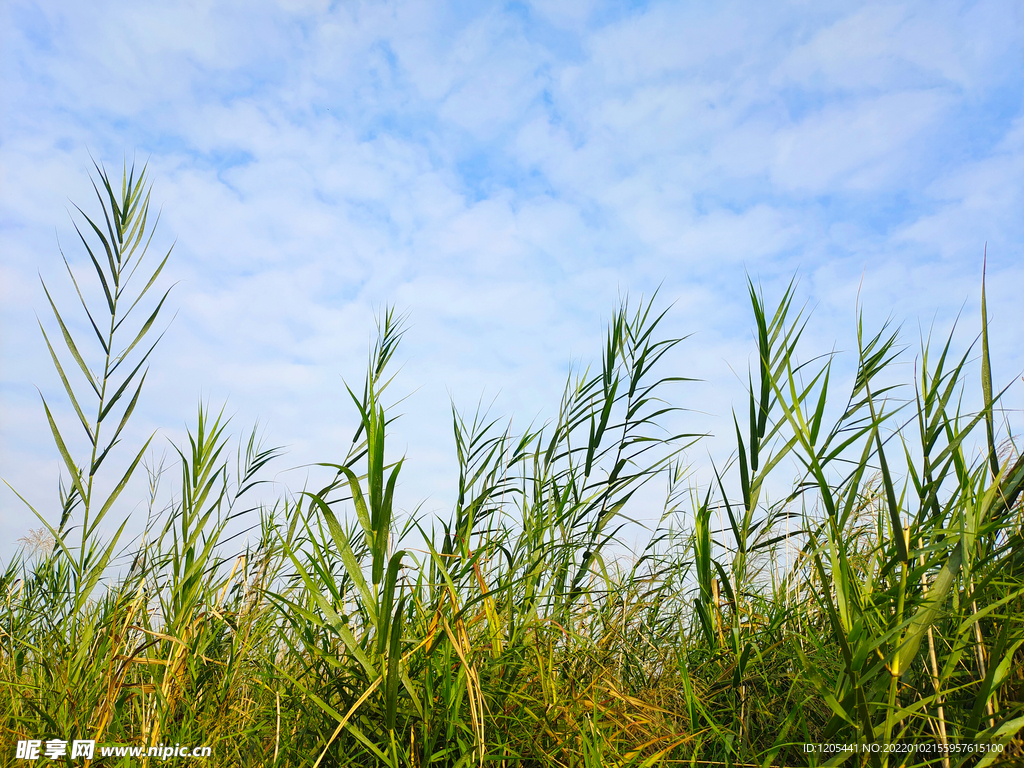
(873, 599)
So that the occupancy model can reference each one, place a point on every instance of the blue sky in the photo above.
(503, 173)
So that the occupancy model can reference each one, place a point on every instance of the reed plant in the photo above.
(874, 599)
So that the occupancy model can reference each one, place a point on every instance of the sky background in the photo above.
(503, 173)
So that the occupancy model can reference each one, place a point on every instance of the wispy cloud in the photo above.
(503, 173)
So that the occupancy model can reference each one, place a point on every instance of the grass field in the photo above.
(878, 600)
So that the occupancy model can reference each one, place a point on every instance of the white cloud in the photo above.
(823, 152)
(893, 45)
(504, 174)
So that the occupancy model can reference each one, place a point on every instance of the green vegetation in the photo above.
(878, 599)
